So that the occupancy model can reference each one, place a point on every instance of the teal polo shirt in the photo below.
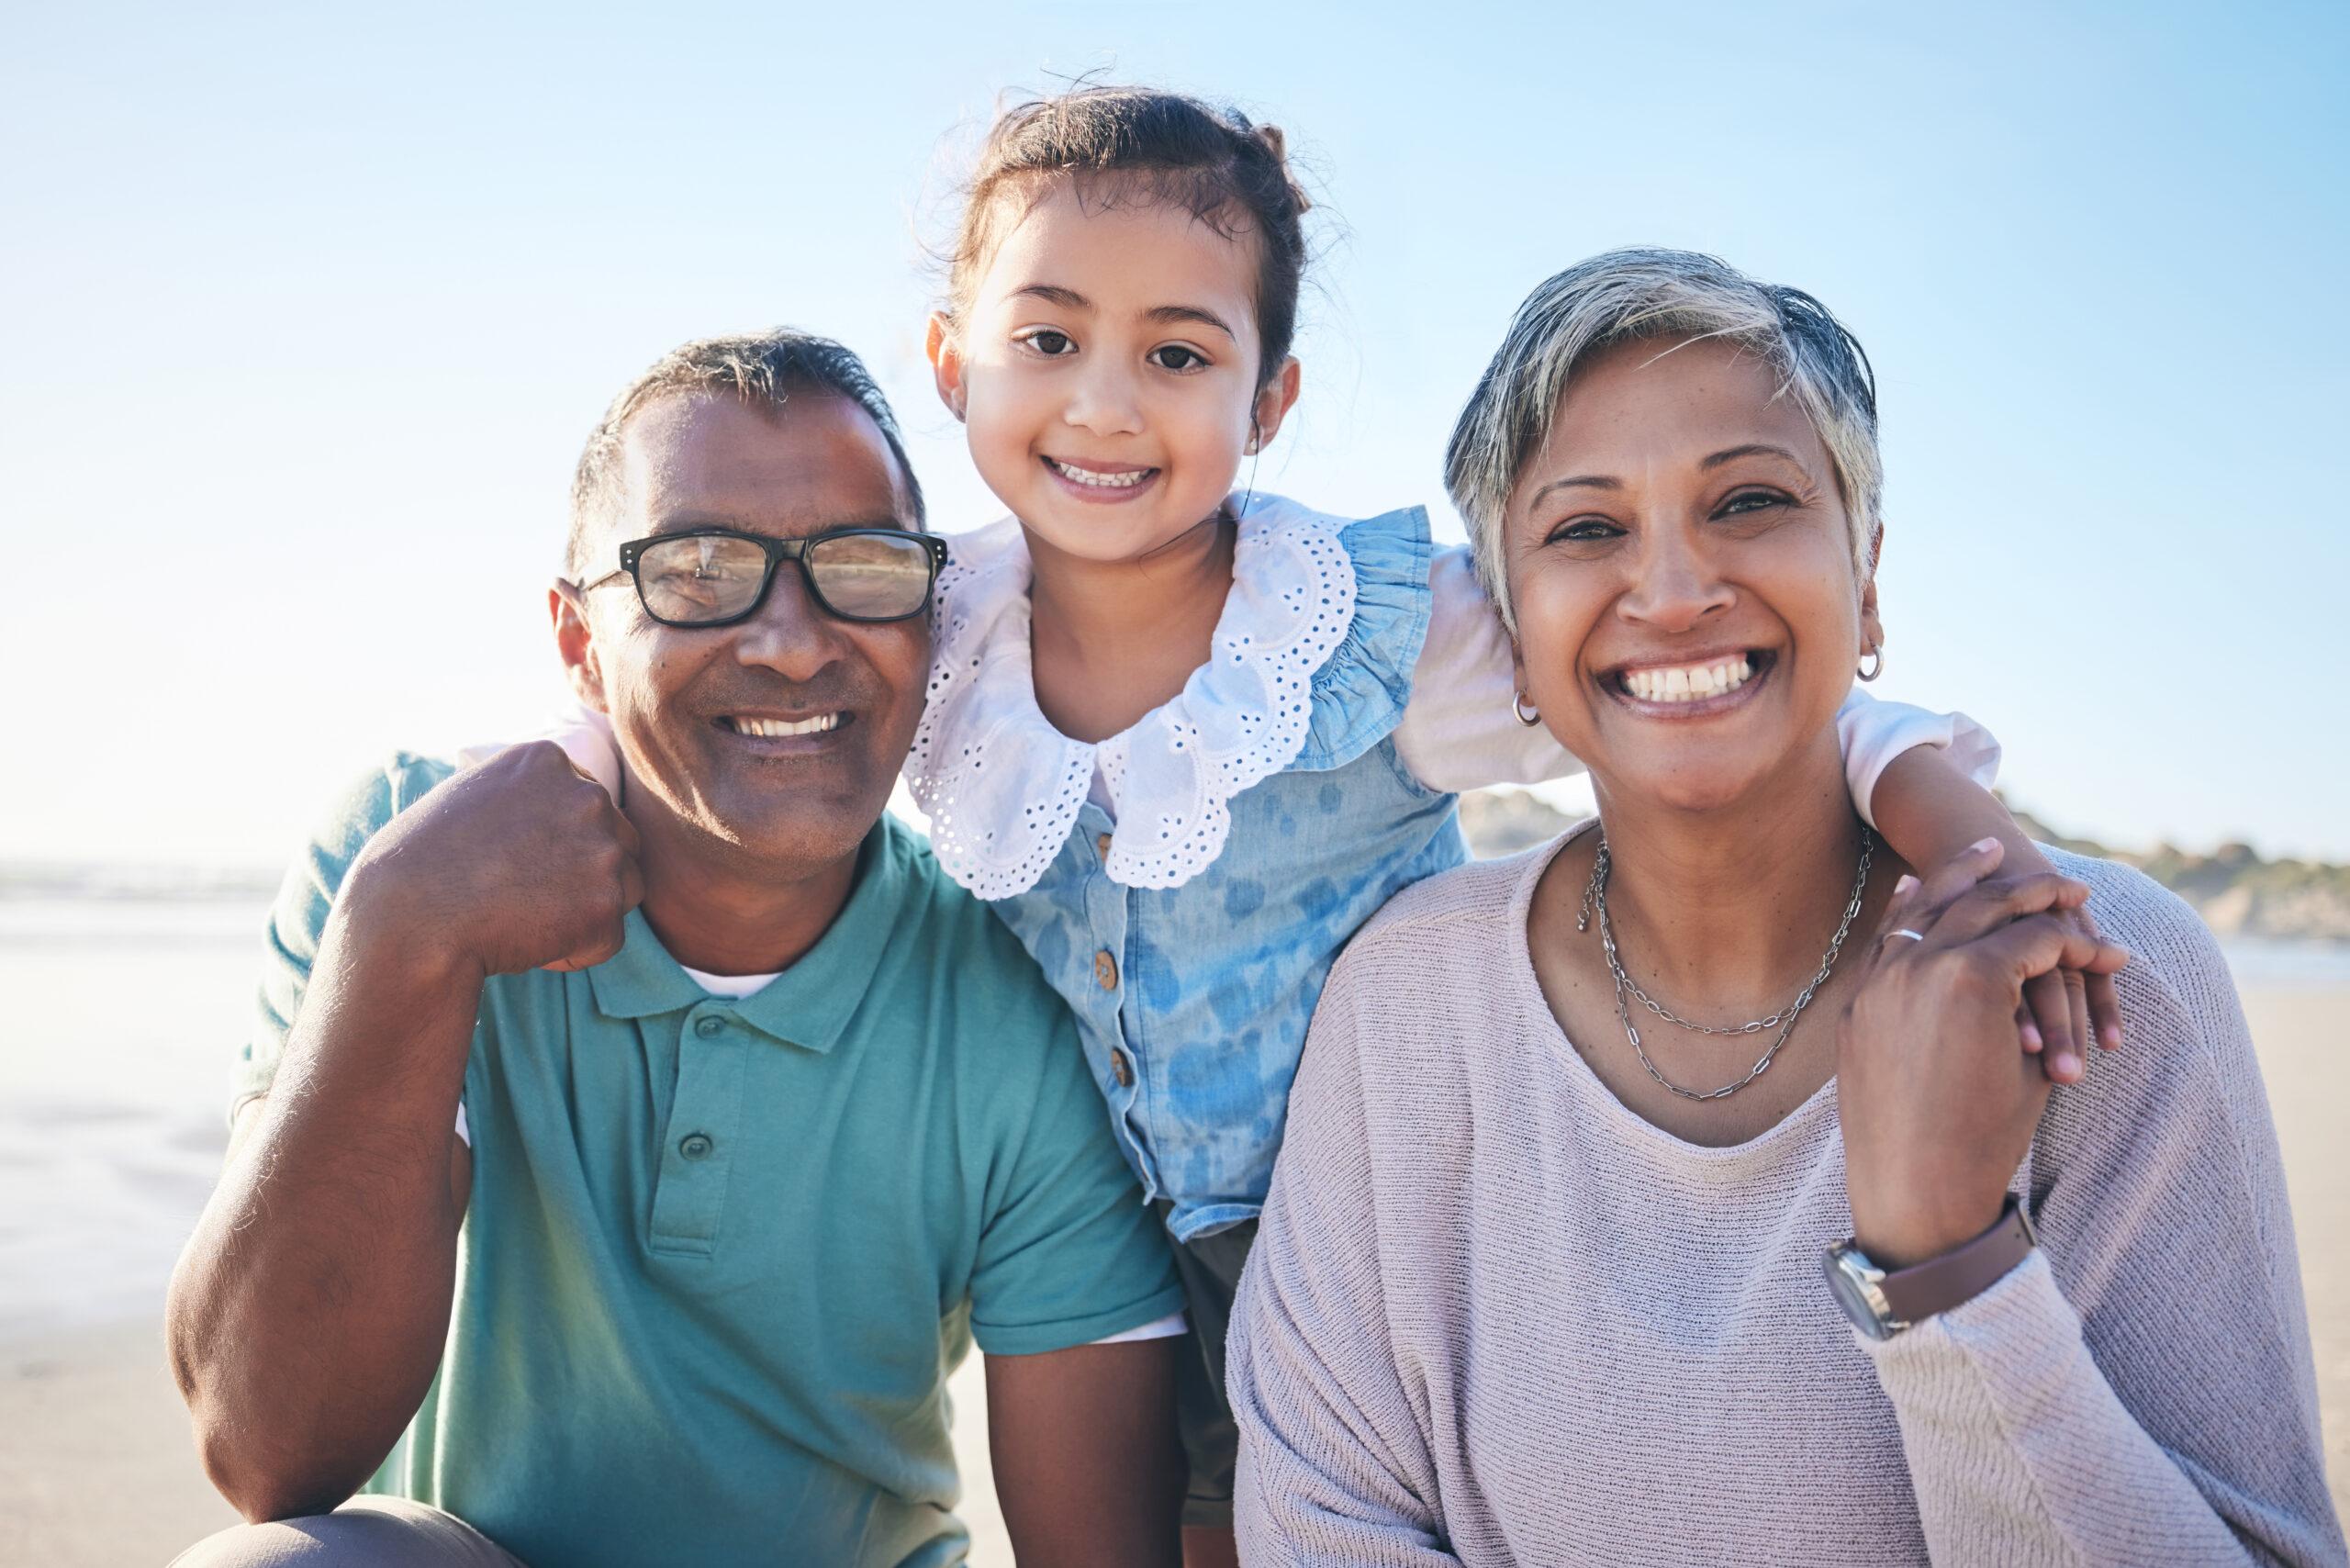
(721, 1255)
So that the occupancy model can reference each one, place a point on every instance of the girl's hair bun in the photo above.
(1227, 172)
(1277, 145)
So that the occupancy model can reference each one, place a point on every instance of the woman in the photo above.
(1540, 1278)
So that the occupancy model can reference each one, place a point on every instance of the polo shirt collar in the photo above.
(811, 1004)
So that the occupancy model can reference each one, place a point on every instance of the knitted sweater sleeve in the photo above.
(1334, 1467)
(2140, 1389)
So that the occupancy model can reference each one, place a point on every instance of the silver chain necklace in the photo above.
(1594, 897)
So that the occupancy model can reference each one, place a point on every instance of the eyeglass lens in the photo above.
(701, 577)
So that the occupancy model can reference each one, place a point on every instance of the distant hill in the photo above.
(2235, 891)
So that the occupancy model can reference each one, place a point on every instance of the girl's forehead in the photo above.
(1122, 249)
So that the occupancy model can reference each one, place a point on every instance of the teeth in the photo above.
(774, 727)
(1099, 481)
(1689, 683)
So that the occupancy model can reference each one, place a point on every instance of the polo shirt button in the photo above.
(1101, 844)
(711, 1029)
(1105, 970)
(1124, 1069)
(695, 1145)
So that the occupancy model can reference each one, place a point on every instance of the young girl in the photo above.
(1186, 740)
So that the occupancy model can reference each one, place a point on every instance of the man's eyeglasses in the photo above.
(716, 577)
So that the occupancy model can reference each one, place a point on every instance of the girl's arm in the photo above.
(585, 736)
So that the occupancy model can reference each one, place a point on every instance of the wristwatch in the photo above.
(1883, 1304)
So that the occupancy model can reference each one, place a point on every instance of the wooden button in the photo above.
(1105, 970)
(1102, 843)
(1124, 1069)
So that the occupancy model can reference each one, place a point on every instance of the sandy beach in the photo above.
(95, 1462)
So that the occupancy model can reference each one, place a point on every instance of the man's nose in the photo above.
(1105, 401)
(1674, 584)
(790, 634)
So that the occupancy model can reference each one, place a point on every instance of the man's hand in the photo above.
(523, 863)
(1937, 1105)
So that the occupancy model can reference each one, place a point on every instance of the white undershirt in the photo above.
(734, 988)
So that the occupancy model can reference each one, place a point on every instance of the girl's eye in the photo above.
(1584, 531)
(1175, 356)
(1050, 343)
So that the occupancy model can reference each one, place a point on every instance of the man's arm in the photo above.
(307, 1313)
(1087, 1464)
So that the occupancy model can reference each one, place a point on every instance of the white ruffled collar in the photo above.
(1003, 788)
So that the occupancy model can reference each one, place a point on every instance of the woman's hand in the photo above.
(1926, 807)
(1937, 1105)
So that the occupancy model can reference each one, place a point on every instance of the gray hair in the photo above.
(1641, 294)
(762, 369)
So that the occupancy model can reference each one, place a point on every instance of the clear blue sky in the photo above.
(306, 315)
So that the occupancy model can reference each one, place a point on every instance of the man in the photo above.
(742, 1171)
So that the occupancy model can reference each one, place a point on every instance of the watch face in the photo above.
(1848, 1278)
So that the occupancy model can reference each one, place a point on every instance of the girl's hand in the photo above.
(1937, 1106)
(2065, 1010)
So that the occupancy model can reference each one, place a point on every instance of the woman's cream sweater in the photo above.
(1494, 1317)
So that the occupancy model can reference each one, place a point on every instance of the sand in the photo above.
(96, 1468)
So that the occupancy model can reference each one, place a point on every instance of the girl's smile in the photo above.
(1102, 484)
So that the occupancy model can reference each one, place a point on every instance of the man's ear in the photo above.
(1273, 403)
(575, 644)
(945, 362)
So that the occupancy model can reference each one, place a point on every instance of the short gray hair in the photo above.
(762, 369)
(1641, 293)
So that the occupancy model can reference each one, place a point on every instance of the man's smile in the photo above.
(775, 734)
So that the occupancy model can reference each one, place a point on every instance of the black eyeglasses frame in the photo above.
(776, 550)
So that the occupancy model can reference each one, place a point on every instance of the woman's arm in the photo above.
(1334, 1467)
(2140, 1389)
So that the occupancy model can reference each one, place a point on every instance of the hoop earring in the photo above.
(1878, 655)
(1517, 708)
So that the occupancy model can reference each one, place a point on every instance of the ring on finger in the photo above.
(1903, 931)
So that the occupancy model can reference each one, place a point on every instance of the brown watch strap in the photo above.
(1963, 1274)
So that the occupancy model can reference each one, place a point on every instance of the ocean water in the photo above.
(113, 1076)
(114, 1060)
